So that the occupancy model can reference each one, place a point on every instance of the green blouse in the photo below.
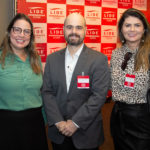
(19, 85)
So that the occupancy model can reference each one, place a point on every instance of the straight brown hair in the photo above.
(29, 49)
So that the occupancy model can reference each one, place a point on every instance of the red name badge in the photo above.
(83, 82)
(129, 81)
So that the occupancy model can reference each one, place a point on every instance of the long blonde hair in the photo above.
(142, 56)
(30, 49)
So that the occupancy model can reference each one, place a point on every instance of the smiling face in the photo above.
(19, 41)
(132, 30)
(74, 29)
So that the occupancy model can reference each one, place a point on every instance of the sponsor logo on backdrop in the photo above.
(94, 46)
(93, 33)
(107, 49)
(75, 8)
(42, 51)
(37, 1)
(109, 16)
(75, 2)
(36, 11)
(93, 2)
(40, 32)
(140, 4)
(57, 1)
(54, 47)
(110, 3)
(125, 4)
(55, 33)
(109, 33)
(56, 13)
(93, 15)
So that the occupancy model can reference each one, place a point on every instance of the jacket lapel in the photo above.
(78, 68)
(62, 68)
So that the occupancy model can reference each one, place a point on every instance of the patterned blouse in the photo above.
(120, 92)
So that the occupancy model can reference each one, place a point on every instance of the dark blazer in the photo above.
(83, 106)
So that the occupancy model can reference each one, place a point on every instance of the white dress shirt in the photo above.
(70, 63)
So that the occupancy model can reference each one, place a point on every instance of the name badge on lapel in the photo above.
(83, 82)
(129, 81)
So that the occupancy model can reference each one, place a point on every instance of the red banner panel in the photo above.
(109, 16)
(41, 48)
(36, 11)
(55, 33)
(93, 33)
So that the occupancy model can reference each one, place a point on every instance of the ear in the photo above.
(144, 31)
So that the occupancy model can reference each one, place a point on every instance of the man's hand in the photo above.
(61, 126)
(69, 129)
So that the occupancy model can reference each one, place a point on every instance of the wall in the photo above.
(101, 18)
(6, 14)
(148, 8)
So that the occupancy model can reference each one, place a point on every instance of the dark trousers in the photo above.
(22, 130)
(67, 145)
(130, 126)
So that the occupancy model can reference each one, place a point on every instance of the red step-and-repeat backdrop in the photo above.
(101, 18)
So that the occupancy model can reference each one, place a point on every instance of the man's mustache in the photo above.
(73, 34)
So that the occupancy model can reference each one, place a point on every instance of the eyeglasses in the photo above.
(127, 57)
(17, 30)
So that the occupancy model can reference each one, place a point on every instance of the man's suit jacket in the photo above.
(83, 106)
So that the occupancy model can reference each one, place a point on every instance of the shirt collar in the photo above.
(78, 51)
(126, 49)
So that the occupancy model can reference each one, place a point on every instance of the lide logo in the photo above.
(36, 10)
(56, 13)
(40, 32)
(109, 34)
(92, 14)
(55, 33)
(93, 34)
(109, 16)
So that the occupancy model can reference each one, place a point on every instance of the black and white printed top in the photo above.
(129, 95)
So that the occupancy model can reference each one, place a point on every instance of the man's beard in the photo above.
(72, 41)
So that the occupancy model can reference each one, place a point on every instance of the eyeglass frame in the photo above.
(22, 30)
(127, 57)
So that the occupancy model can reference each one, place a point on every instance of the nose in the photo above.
(21, 33)
(132, 28)
(74, 29)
